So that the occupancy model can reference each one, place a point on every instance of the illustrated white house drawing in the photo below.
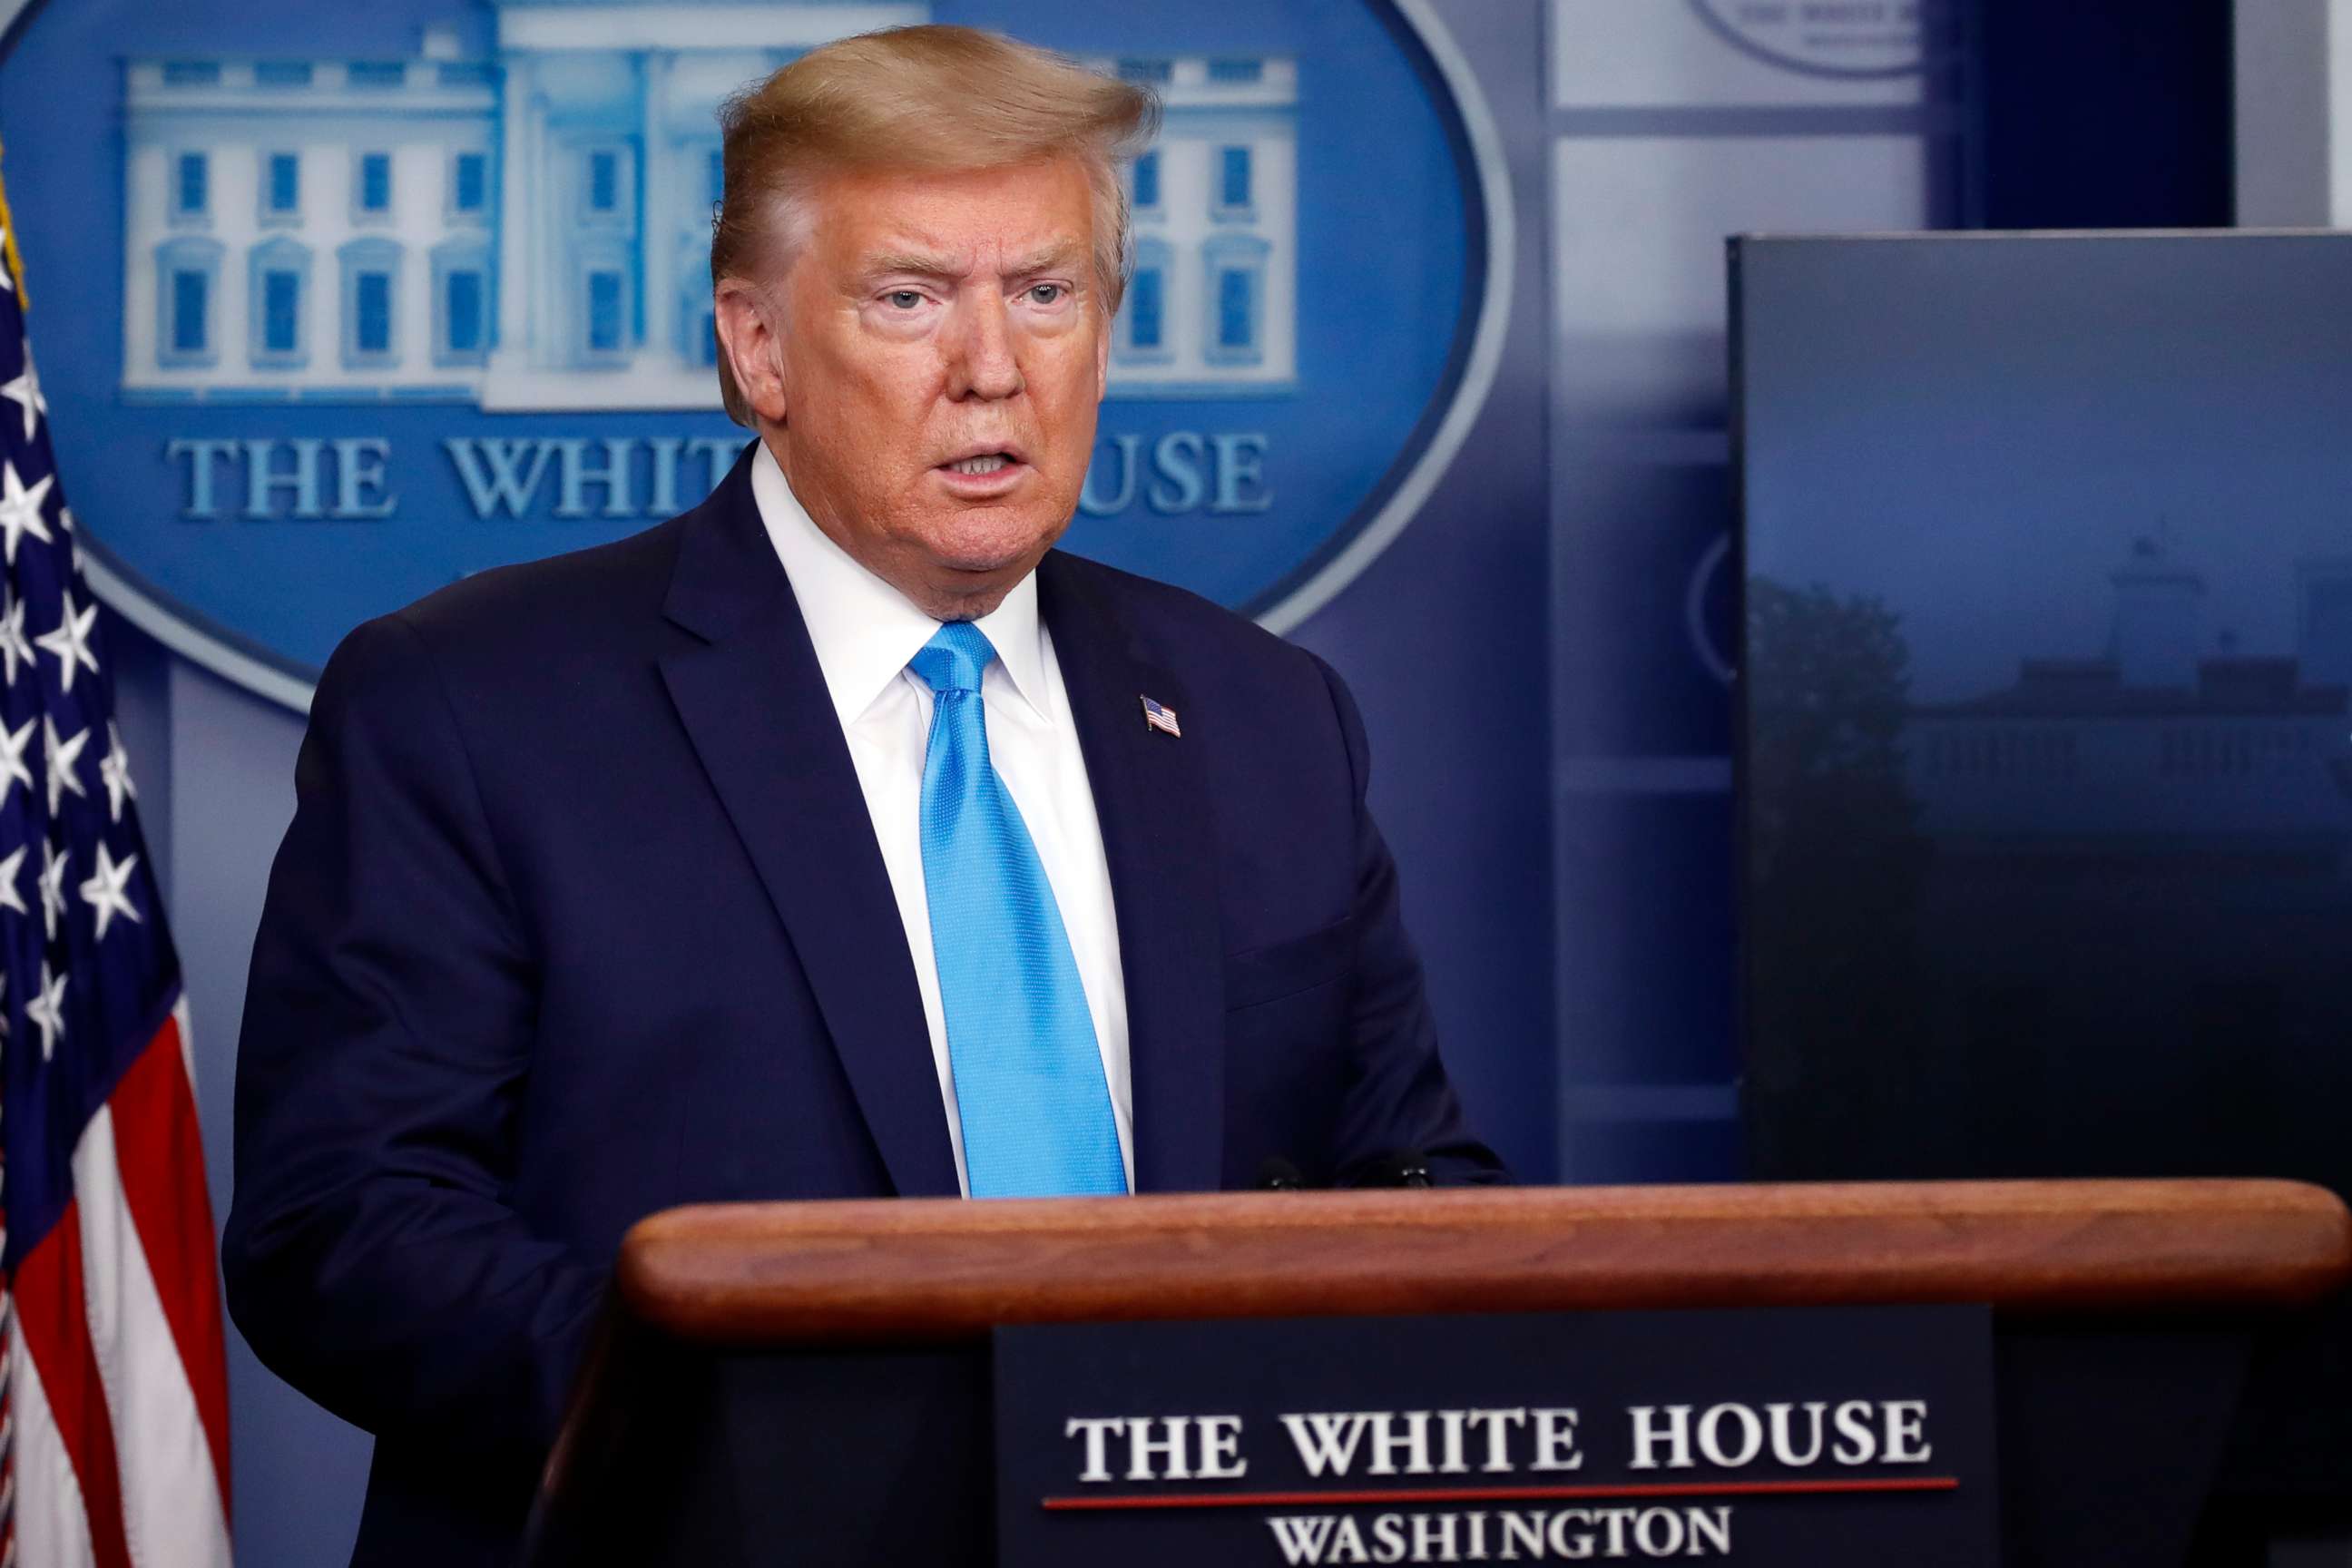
(1213, 303)
(532, 230)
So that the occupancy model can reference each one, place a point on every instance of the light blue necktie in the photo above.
(1028, 1075)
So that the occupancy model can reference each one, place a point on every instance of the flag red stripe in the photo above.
(160, 1153)
(49, 1307)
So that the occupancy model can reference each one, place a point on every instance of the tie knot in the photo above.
(955, 657)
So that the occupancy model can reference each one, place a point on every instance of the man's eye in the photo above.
(1046, 293)
(903, 298)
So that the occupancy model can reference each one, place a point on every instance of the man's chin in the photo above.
(967, 583)
(976, 559)
(980, 543)
(946, 596)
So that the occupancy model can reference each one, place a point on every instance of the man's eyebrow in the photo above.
(914, 263)
(1051, 257)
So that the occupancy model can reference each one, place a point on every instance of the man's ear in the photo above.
(748, 323)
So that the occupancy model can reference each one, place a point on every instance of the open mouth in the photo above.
(986, 463)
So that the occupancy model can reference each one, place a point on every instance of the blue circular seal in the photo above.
(1855, 40)
(335, 306)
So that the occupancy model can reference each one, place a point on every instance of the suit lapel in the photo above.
(753, 701)
(1157, 839)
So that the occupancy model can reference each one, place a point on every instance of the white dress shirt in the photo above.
(865, 632)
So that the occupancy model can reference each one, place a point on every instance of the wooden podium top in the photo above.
(947, 1269)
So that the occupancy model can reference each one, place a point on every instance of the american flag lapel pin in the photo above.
(1160, 717)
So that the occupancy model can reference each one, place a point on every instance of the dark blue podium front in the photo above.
(827, 1384)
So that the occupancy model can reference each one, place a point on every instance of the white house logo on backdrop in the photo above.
(1835, 37)
(533, 231)
(424, 289)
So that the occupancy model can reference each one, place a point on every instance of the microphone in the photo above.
(1406, 1168)
(1276, 1174)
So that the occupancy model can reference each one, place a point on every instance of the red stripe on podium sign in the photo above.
(1507, 1494)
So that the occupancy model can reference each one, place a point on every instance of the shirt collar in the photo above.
(864, 629)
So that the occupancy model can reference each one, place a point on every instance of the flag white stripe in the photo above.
(51, 1528)
(170, 1501)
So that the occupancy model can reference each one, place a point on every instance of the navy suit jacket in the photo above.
(581, 915)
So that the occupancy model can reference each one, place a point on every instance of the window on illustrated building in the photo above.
(187, 275)
(371, 186)
(1233, 180)
(469, 183)
(1235, 268)
(371, 302)
(280, 283)
(281, 187)
(189, 288)
(192, 186)
(605, 311)
(461, 302)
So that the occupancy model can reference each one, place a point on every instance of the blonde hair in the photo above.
(932, 99)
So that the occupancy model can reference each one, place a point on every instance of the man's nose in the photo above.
(983, 363)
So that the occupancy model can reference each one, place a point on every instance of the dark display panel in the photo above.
(2046, 769)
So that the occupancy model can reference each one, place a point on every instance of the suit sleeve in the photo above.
(372, 1257)
(1400, 1099)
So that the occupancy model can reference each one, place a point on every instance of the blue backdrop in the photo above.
(1541, 655)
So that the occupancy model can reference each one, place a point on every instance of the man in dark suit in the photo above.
(835, 839)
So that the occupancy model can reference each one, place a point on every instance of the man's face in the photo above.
(941, 357)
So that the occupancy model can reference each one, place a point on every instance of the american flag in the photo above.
(1161, 717)
(114, 1390)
